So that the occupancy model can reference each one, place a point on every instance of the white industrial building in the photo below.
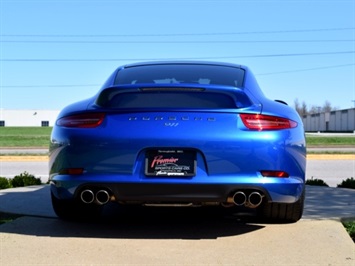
(334, 121)
(28, 118)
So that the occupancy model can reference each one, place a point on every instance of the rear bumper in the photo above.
(218, 189)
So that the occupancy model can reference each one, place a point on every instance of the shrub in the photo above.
(25, 179)
(7, 217)
(4, 183)
(350, 228)
(316, 182)
(347, 183)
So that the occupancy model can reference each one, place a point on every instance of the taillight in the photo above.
(266, 122)
(280, 174)
(88, 120)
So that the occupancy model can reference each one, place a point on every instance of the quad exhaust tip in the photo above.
(239, 198)
(101, 197)
(254, 199)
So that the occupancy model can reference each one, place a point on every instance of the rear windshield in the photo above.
(181, 73)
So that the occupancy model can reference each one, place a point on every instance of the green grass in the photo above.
(330, 140)
(25, 136)
(350, 228)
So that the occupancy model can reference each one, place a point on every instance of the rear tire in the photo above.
(75, 210)
(284, 212)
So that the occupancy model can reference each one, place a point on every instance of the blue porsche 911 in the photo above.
(183, 133)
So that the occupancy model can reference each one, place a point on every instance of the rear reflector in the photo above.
(280, 174)
(172, 89)
(266, 122)
(71, 171)
(88, 120)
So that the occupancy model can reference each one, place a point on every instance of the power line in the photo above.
(181, 58)
(179, 42)
(49, 86)
(175, 34)
(304, 70)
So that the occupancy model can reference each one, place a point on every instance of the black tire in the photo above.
(284, 212)
(75, 210)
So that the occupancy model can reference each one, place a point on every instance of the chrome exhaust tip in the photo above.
(239, 198)
(87, 196)
(102, 197)
(255, 199)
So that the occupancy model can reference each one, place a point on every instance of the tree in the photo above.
(303, 109)
(297, 106)
(314, 109)
(327, 107)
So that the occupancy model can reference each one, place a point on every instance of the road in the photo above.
(330, 168)
(39, 169)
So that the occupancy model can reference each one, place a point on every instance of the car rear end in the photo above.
(180, 144)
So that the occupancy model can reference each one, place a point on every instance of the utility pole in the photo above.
(319, 108)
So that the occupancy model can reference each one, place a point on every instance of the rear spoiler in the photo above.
(214, 96)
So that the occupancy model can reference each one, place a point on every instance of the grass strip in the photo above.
(25, 137)
(350, 228)
(330, 140)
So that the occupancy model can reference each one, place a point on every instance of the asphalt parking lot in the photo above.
(179, 237)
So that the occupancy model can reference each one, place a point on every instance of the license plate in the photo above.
(170, 162)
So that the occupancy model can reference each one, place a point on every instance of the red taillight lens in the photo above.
(88, 120)
(71, 171)
(266, 122)
(280, 174)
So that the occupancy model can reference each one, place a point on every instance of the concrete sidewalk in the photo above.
(321, 202)
(184, 238)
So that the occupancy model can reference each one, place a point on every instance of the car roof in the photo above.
(183, 62)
